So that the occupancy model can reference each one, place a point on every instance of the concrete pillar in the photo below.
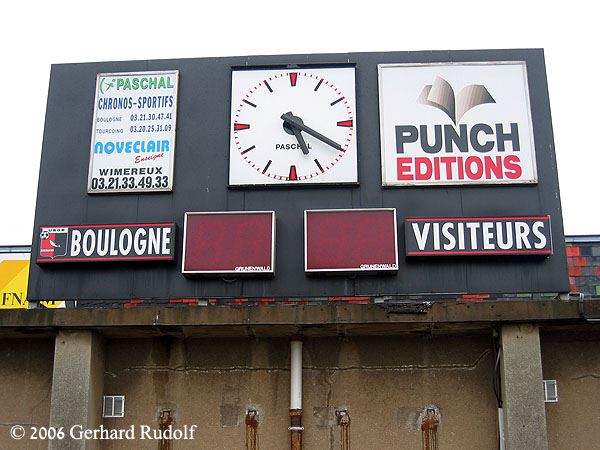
(77, 386)
(522, 388)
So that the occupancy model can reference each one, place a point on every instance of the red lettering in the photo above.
(139, 159)
(436, 168)
(494, 167)
(448, 160)
(425, 174)
(469, 167)
(512, 163)
(461, 170)
(458, 168)
(404, 169)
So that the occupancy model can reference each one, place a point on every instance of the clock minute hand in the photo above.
(289, 118)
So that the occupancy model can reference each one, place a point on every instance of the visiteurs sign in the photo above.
(478, 236)
(456, 123)
(133, 134)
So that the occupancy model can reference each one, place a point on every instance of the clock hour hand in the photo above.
(300, 139)
(290, 129)
(292, 120)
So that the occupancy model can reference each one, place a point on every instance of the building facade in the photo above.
(359, 250)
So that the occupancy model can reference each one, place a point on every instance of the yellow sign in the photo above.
(14, 274)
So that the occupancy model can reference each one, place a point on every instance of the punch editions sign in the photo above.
(123, 242)
(478, 236)
(456, 123)
(133, 134)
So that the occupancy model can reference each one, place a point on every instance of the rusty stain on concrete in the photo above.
(430, 421)
(165, 421)
(343, 420)
(252, 429)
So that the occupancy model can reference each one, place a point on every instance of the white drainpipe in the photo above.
(296, 395)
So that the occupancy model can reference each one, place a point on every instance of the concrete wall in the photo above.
(385, 382)
(573, 359)
(25, 386)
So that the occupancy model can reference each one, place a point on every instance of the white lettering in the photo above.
(89, 242)
(473, 226)
(125, 236)
(446, 232)
(421, 238)
(537, 226)
(461, 236)
(145, 432)
(166, 240)
(508, 243)
(113, 243)
(436, 236)
(139, 246)
(488, 235)
(103, 241)
(153, 246)
(521, 232)
(75, 243)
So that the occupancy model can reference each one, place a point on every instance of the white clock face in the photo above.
(293, 126)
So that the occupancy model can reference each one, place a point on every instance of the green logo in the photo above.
(106, 84)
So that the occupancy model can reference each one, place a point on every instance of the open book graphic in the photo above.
(440, 95)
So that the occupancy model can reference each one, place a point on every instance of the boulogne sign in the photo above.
(123, 242)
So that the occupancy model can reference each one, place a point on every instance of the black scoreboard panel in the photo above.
(201, 176)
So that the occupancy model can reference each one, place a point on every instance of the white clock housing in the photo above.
(265, 152)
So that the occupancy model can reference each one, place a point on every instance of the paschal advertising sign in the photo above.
(133, 133)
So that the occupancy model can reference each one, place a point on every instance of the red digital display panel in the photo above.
(353, 240)
(229, 243)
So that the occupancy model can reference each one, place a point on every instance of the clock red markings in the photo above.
(318, 85)
(267, 166)
(299, 169)
(319, 165)
(293, 175)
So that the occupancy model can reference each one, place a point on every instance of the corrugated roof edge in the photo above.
(583, 239)
(15, 248)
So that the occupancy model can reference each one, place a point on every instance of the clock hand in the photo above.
(293, 121)
(289, 129)
(300, 140)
